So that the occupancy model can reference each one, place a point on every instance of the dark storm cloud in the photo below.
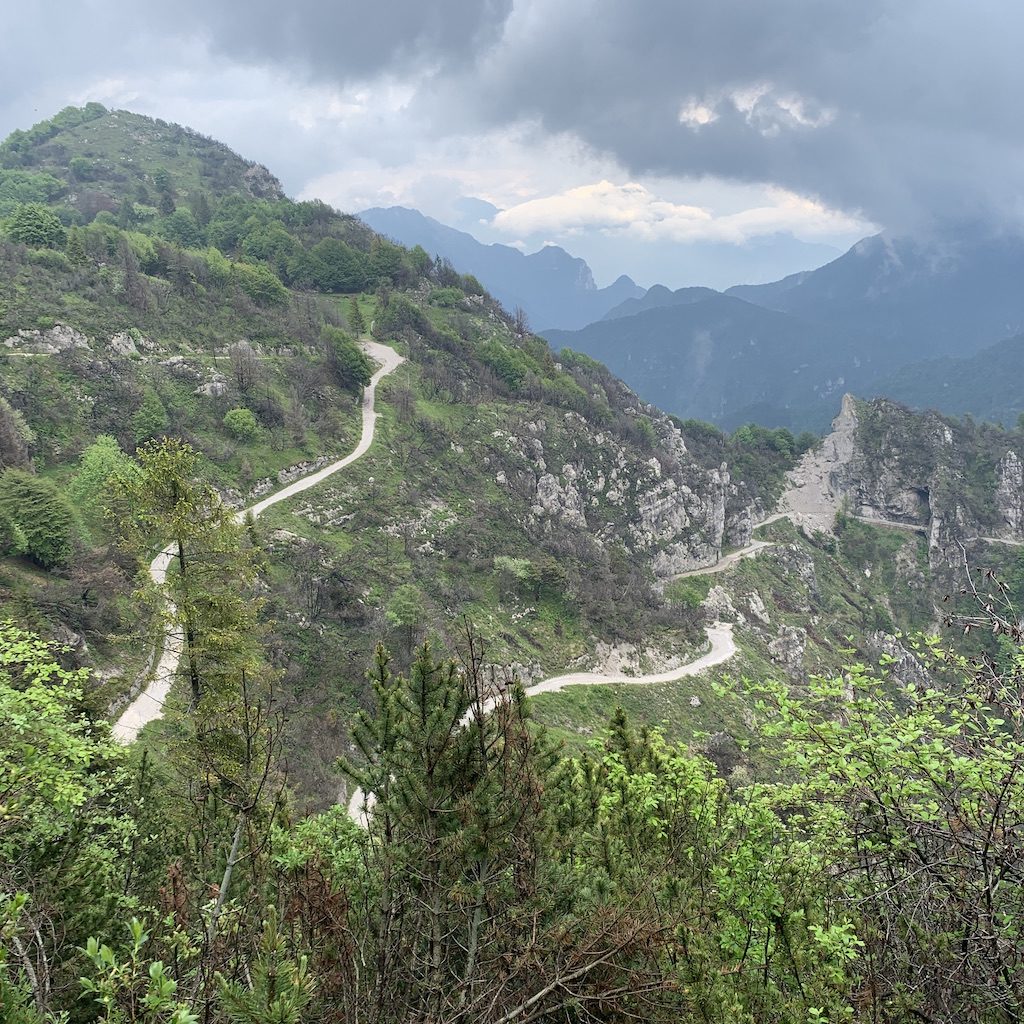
(906, 111)
(343, 40)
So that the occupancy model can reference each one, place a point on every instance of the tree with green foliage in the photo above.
(334, 266)
(281, 987)
(917, 791)
(181, 227)
(136, 293)
(226, 788)
(420, 260)
(261, 284)
(150, 419)
(128, 987)
(13, 542)
(467, 917)
(81, 168)
(385, 260)
(356, 322)
(16, 437)
(98, 467)
(241, 424)
(211, 587)
(36, 225)
(405, 611)
(38, 515)
(348, 363)
(199, 204)
(532, 575)
(63, 832)
(75, 249)
(127, 215)
(17, 187)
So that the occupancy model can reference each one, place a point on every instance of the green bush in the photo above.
(447, 298)
(241, 424)
(347, 361)
(36, 225)
(261, 284)
(150, 420)
(38, 518)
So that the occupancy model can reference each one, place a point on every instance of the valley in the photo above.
(297, 520)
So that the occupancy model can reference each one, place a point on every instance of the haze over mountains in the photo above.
(553, 287)
(900, 317)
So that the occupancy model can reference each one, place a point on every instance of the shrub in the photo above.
(150, 420)
(36, 225)
(347, 361)
(241, 424)
(448, 298)
(37, 515)
(261, 284)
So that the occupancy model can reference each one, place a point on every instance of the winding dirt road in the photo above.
(149, 704)
(723, 647)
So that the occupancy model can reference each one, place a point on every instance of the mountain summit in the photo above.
(555, 289)
(98, 159)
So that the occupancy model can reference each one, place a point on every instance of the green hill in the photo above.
(537, 494)
(91, 160)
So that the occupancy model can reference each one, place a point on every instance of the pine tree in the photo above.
(38, 516)
(75, 249)
(211, 587)
(135, 291)
(454, 828)
(356, 322)
(150, 419)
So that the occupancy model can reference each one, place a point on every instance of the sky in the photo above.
(681, 142)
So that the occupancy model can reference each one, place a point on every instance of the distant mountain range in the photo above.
(925, 323)
(556, 289)
(989, 384)
(935, 324)
(656, 296)
(730, 362)
(925, 298)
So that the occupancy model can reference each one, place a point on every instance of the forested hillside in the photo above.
(334, 513)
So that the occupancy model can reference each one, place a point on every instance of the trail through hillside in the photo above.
(149, 704)
(723, 647)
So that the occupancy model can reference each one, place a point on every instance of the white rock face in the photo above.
(719, 605)
(787, 649)
(664, 508)
(123, 344)
(757, 609)
(905, 665)
(1010, 492)
(59, 338)
(693, 524)
(563, 502)
(817, 485)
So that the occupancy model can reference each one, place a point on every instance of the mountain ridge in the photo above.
(552, 286)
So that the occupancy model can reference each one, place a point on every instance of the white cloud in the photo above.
(696, 114)
(762, 106)
(632, 209)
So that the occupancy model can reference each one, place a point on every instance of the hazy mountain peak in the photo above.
(555, 288)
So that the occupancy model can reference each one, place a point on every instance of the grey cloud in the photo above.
(910, 109)
(342, 40)
(923, 96)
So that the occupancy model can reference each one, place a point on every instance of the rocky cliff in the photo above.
(955, 480)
